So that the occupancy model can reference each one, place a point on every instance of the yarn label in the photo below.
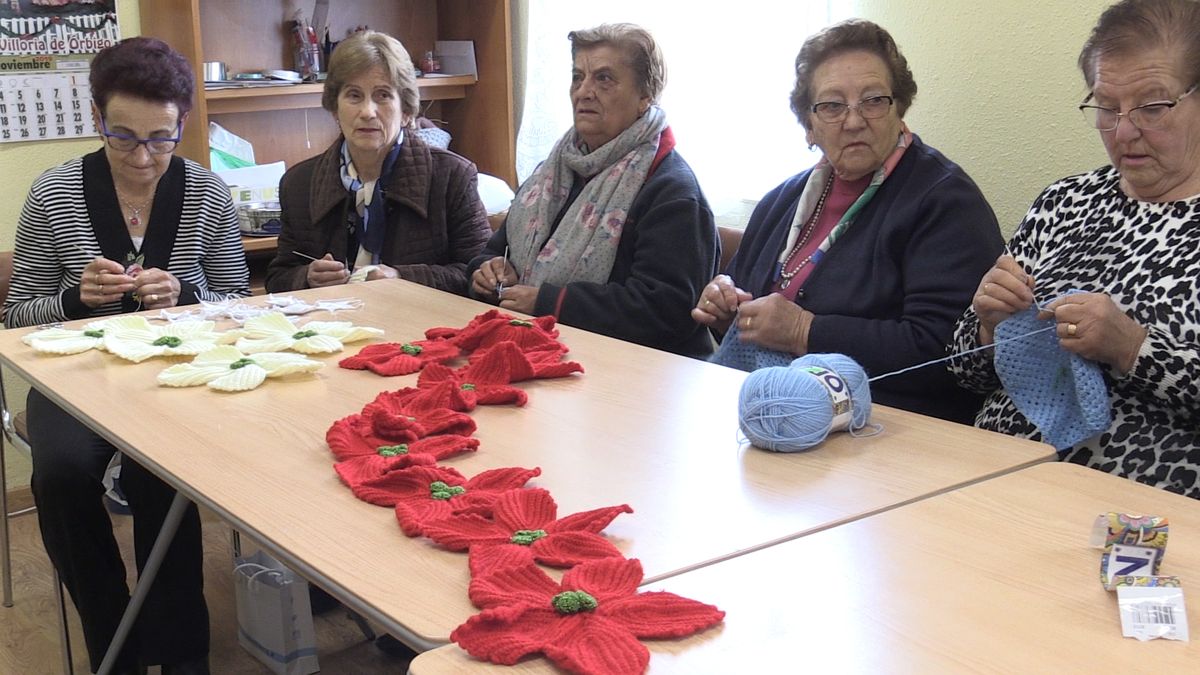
(839, 395)
(1152, 608)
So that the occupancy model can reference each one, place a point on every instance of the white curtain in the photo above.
(729, 77)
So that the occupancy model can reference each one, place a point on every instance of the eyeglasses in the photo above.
(127, 143)
(871, 108)
(1146, 117)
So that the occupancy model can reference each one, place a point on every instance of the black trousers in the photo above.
(68, 464)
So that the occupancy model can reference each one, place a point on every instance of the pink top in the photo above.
(841, 196)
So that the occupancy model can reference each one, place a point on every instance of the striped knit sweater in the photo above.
(71, 215)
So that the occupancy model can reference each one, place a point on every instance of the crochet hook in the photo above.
(500, 281)
(304, 255)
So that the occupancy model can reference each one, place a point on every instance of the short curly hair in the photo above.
(1131, 27)
(850, 36)
(360, 53)
(145, 68)
(637, 43)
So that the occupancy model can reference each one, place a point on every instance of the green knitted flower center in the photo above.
(94, 333)
(573, 602)
(467, 386)
(167, 341)
(393, 450)
(303, 334)
(527, 537)
(439, 490)
(520, 322)
(411, 349)
(241, 363)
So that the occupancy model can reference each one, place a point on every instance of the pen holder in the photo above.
(308, 60)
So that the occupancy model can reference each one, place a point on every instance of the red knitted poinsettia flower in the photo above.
(494, 326)
(505, 361)
(423, 493)
(591, 622)
(529, 518)
(492, 388)
(359, 464)
(391, 412)
(395, 358)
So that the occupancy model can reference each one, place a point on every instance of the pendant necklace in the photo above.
(136, 218)
(805, 235)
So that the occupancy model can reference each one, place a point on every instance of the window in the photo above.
(729, 78)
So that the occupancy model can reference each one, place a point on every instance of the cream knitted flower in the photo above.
(62, 341)
(275, 333)
(227, 369)
(135, 339)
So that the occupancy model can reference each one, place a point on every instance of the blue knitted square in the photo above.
(1062, 393)
(735, 353)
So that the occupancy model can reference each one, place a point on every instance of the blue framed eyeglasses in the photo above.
(127, 143)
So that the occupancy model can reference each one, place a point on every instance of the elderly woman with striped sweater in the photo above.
(124, 228)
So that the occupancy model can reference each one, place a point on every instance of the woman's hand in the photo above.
(518, 298)
(718, 303)
(383, 272)
(1004, 290)
(156, 289)
(326, 272)
(1091, 325)
(103, 281)
(490, 275)
(776, 323)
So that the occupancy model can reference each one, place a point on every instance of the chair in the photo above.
(14, 433)
(731, 237)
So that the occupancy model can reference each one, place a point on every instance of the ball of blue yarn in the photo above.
(788, 410)
(855, 377)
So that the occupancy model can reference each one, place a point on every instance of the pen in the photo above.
(500, 281)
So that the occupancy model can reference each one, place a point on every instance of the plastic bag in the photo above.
(274, 616)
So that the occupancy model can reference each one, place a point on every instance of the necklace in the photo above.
(805, 235)
(136, 218)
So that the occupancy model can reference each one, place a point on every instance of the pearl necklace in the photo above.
(805, 235)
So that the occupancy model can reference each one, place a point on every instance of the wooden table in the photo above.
(260, 245)
(643, 427)
(995, 577)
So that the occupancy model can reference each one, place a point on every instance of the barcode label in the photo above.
(1153, 614)
(1150, 612)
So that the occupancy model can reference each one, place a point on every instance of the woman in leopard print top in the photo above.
(1128, 235)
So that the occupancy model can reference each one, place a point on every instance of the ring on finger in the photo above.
(749, 320)
(153, 297)
(986, 287)
(101, 287)
(1072, 329)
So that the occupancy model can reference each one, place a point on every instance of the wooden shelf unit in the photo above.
(287, 122)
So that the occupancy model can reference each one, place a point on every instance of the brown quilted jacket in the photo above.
(436, 222)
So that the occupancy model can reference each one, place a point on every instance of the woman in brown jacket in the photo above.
(378, 198)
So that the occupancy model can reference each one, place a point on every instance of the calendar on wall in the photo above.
(39, 107)
(45, 50)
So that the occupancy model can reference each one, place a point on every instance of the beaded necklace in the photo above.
(809, 228)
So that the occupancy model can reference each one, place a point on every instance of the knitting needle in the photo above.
(305, 255)
(500, 281)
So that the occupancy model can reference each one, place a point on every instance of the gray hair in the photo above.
(638, 45)
(1131, 27)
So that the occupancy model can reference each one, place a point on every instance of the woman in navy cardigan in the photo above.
(875, 251)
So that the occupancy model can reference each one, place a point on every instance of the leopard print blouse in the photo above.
(1084, 233)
